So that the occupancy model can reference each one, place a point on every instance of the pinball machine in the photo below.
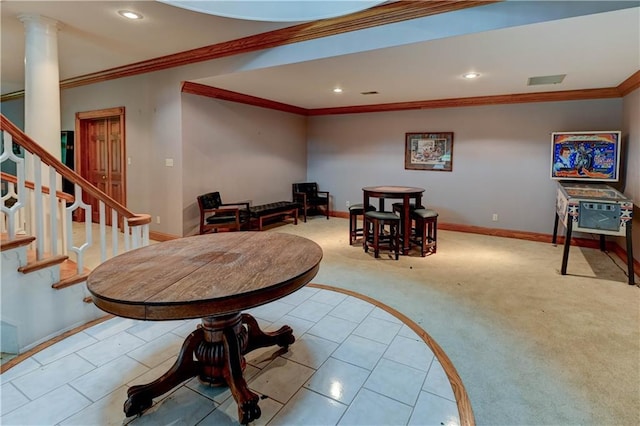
(584, 163)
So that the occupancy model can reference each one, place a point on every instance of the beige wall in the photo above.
(153, 104)
(153, 134)
(247, 153)
(501, 157)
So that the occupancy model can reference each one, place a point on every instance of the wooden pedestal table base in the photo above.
(219, 346)
(214, 277)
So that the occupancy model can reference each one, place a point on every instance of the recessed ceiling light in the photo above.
(129, 14)
(471, 75)
(337, 90)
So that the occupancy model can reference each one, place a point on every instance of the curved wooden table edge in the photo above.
(465, 410)
(150, 312)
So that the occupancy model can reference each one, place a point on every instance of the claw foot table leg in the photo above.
(282, 337)
(141, 396)
(215, 353)
(248, 409)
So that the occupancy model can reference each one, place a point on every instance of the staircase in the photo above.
(46, 253)
(33, 309)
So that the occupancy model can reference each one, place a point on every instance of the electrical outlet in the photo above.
(348, 204)
(495, 217)
(157, 219)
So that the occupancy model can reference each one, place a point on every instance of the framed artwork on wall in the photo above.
(429, 151)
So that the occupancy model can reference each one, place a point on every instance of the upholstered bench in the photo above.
(279, 208)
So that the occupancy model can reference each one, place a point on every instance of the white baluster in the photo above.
(114, 233)
(53, 211)
(11, 225)
(136, 237)
(64, 229)
(103, 232)
(127, 244)
(15, 212)
(38, 207)
(80, 250)
(145, 235)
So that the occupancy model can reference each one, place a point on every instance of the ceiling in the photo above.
(594, 51)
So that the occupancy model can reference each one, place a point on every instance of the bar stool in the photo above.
(399, 209)
(375, 235)
(356, 210)
(426, 230)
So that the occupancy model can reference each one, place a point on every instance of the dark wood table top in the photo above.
(204, 275)
(392, 191)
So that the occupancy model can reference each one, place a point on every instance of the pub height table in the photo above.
(214, 277)
(404, 193)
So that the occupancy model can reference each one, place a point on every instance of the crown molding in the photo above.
(630, 84)
(566, 95)
(388, 13)
(516, 98)
(12, 96)
(228, 95)
(384, 14)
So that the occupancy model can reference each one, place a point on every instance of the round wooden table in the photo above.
(406, 194)
(213, 277)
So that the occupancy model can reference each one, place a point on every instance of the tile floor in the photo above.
(352, 364)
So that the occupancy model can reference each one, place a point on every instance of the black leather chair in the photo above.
(310, 198)
(215, 215)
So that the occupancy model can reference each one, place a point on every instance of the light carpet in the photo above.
(533, 347)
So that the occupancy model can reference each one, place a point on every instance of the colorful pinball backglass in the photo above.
(588, 156)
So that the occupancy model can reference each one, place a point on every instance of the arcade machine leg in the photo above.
(555, 230)
(630, 255)
(567, 244)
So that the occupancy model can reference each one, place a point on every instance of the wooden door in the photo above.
(102, 156)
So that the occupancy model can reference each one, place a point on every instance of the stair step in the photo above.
(19, 241)
(41, 264)
(68, 269)
(75, 279)
(69, 275)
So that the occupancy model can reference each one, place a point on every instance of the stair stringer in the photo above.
(33, 310)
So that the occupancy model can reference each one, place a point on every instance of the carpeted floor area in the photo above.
(532, 347)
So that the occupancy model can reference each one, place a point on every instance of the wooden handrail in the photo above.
(59, 194)
(30, 145)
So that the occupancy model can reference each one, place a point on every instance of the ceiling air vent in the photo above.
(546, 79)
(373, 92)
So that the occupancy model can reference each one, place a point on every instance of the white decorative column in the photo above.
(42, 82)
